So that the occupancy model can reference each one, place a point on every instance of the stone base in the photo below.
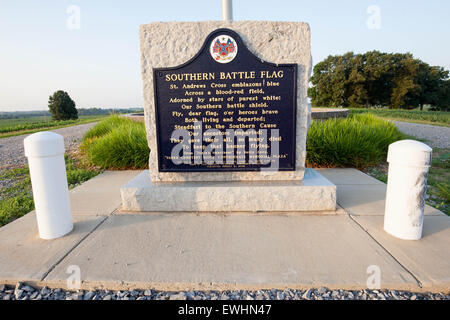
(313, 193)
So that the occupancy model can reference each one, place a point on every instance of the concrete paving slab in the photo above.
(26, 257)
(101, 194)
(96, 204)
(106, 182)
(344, 176)
(362, 199)
(188, 251)
(428, 258)
(430, 211)
(369, 200)
(180, 251)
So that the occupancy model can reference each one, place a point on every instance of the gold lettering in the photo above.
(190, 76)
(237, 75)
(271, 74)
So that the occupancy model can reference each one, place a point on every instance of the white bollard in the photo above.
(409, 161)
(45, 153)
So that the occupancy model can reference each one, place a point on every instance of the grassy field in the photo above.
(15, 127)
(440, 118)
(16, 198)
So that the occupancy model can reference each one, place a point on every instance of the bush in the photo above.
(357, 141)
(117, 143)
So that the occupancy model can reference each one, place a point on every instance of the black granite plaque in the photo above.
(225, 110)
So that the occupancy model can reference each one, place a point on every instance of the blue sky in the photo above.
(98, 64)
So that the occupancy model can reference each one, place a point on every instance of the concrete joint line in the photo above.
(347, 211)
(73, 248)
(387, 251)
(350, 213)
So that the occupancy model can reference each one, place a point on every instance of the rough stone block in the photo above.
(314, 193)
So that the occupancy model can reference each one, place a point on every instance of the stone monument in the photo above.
(227, 117)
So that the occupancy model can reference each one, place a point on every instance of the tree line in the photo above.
(377, 79)
(81, 112)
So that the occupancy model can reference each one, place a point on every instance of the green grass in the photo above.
(438, 180)
(117, 143)
(441, 118)
(106, 126)
(15, 127)
(443, 191)
(16, 199)
(378, 173)
(358, 141)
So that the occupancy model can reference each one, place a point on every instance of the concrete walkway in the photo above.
(188, 251)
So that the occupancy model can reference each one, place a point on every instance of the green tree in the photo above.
(377, 79)
(377, 70)
(61, 106)
(432, 82)
(404, 73)
(356, 91)
(443, 101)
(329, 81)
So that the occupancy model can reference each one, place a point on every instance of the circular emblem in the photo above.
(223, 49)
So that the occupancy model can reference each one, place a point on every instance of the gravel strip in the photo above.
(11, 149)
(25, 292)
(437, 136)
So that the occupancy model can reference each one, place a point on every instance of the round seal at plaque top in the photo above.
(223, 49)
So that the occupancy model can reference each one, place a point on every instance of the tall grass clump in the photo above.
(358, 141)
(117, 143)
(105, 126)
